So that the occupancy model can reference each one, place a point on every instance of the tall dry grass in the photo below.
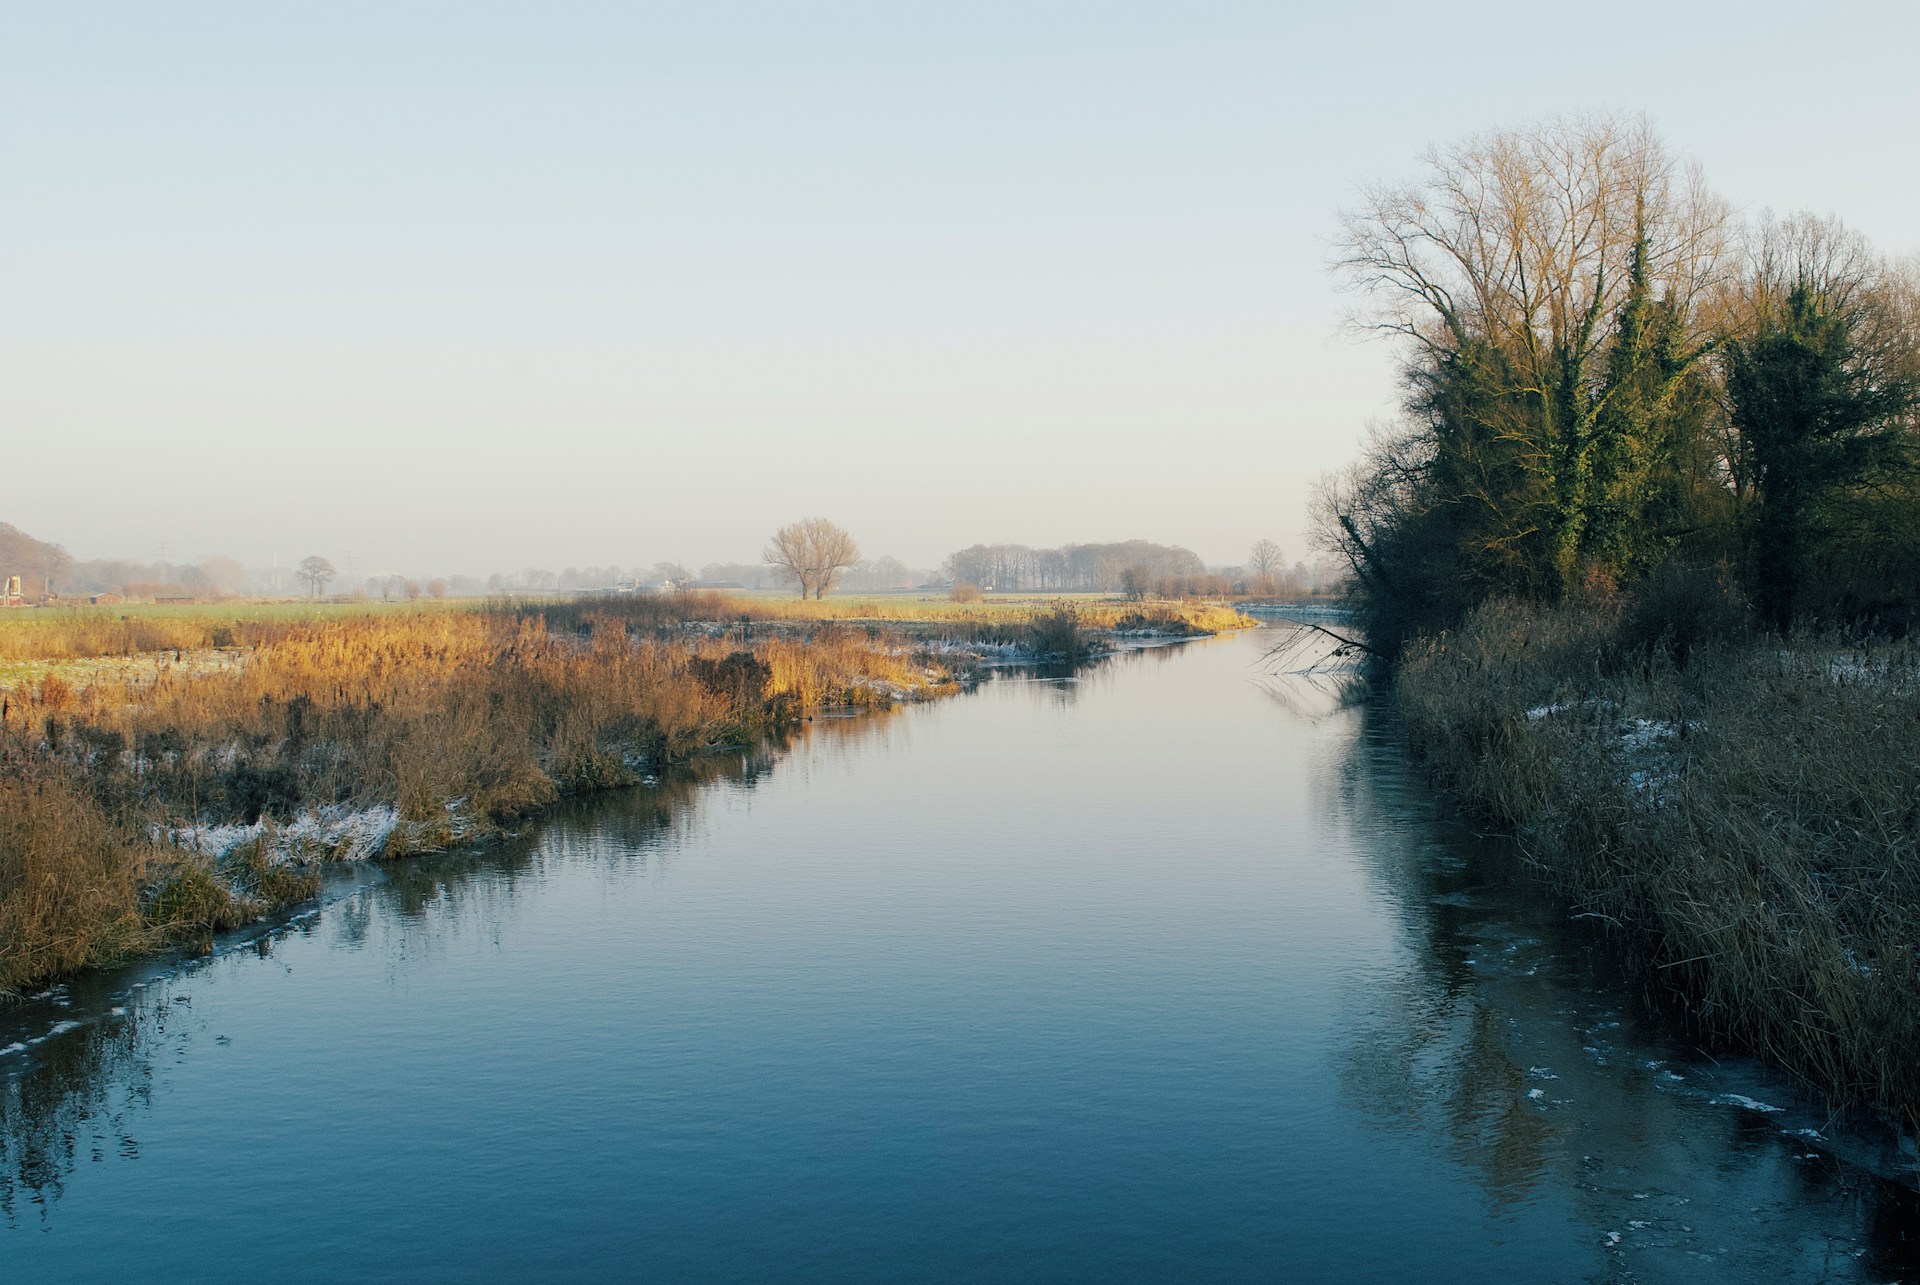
(1745, 808)
(76, 633)
(998, 620)
(455, 720)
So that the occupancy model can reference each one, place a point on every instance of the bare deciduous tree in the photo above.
(1264, 557)
(813, 553)
(316, 571)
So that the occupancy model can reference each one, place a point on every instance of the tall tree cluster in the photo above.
(1605, 374)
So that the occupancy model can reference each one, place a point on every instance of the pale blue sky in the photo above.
(464, 286)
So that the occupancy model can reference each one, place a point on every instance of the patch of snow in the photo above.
(1853, 667)
(1743, 1101)
(334, 831)
(1646, 733)
(1648, 744)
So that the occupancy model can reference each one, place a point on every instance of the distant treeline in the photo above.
(1074, 568)
(45, 567)
(48, 568)
(1607, 374)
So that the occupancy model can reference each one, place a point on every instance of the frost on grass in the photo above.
(333, 832)
(1645, 745)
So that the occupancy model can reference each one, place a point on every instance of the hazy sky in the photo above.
(463, 286)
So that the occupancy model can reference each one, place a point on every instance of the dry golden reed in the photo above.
(454, 719)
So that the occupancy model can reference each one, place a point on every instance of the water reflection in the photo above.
(79, 1102)
(1511, 1039)
(82, 1057)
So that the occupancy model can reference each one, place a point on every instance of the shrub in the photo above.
(1678, 610)
(1059, 635)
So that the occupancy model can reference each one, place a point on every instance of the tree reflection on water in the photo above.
(1511, 1038)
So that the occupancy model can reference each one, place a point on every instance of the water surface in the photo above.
(1167, 970)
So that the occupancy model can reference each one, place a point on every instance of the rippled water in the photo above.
(1170, 970)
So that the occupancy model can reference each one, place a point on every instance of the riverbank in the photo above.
(987, 946)
(151, 798)
(149, 806)
(1744, 809)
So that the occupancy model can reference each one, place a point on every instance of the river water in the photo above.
(1170, 969)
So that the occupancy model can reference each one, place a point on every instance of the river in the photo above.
(1168, 969)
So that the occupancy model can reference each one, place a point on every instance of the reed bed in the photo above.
(139, 815)
(1744, 808)
(1172, 616)
(80, 632)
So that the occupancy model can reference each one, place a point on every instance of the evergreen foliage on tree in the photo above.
(1815, 418)
(1560, 296)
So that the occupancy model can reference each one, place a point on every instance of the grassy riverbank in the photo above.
(170, 773)
(1744, 808)
(191, 790)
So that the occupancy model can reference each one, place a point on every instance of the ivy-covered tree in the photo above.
(1545, 283)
